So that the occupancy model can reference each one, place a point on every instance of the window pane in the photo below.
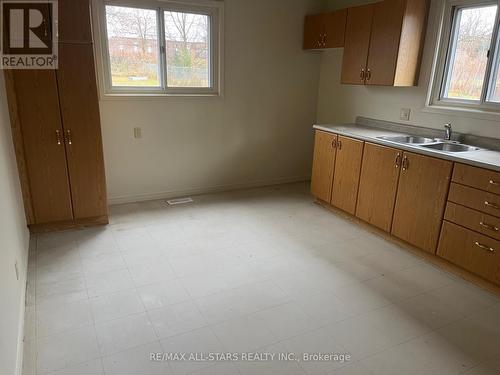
(133, 46)
(187, 49)
(468, 52)
(494, 95)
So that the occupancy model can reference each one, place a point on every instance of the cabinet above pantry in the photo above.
(382, 41)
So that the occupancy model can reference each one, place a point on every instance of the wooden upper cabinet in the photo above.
(325, 30)
(335, 28)
(80, 114)
(421, 198)
(35, 95)
(74, 21)
(313, 31)
(356, 46)
(346, 176)
(384, 42)
(323, 165)
(378, 185)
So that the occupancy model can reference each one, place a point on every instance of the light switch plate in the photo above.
(405, 114)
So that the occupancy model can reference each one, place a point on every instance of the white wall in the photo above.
(342, 103)
(259, 132)
(14, 240)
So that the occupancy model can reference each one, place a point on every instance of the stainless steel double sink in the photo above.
(430, 143)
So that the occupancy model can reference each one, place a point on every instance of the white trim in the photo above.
(169, 194)
(434, 102)
(463, 112)
(213, 9)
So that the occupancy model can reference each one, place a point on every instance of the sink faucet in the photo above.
(447, 132)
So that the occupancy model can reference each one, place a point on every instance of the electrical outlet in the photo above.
(405, 114)
(17, 270)
(137, 133)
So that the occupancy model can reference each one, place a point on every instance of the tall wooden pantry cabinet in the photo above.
(57, 132)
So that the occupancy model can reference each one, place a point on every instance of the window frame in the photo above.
(212, 9)
(444, 51)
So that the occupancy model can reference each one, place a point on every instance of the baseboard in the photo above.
(169, 194)
(20, 337)
(68, 224)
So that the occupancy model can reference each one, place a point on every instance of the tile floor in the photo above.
(261, 270)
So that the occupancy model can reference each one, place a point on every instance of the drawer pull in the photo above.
(496, 183)
(492, 205)
(488, 226)
(484, 247)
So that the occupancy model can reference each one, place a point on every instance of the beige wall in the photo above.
(259, 132)
(13, 247)
(342, 103)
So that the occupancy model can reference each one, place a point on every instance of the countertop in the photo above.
(480, 158)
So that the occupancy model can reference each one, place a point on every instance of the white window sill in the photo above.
(481, 114)
(131, 96)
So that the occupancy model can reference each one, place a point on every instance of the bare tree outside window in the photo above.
(187, 49)
(133, 46)
(469, 52)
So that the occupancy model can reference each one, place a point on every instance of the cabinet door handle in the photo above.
(492, 205)
(362, 74)
(368, 74)
(334, 143)
(484, 247)
(398, 160)
(325, 39)
(58, 137)
(495, 183)
(488, 226)
(339, 145)
(406, 163)
(68, 137)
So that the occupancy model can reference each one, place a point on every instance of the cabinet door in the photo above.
(357, 42)
(80, 114)
(74, 21)
(323, 164)
(378, 185)
(313, 31)
(44, 152)
(384, 42)
(335, 28)
(421, 198)
(346, 176)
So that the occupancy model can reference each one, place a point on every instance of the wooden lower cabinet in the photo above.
(346, 176)
(378, 185)
(421, 198)
(323, 165)
(406, 194)
(470, 250)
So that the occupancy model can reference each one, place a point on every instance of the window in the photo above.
(161, 48)
(467, 66)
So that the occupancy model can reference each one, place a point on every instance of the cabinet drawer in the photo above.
(471, 251)
(478, 178)
(474, 220)
(477, 199)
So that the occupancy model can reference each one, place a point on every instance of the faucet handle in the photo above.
(447, 125)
